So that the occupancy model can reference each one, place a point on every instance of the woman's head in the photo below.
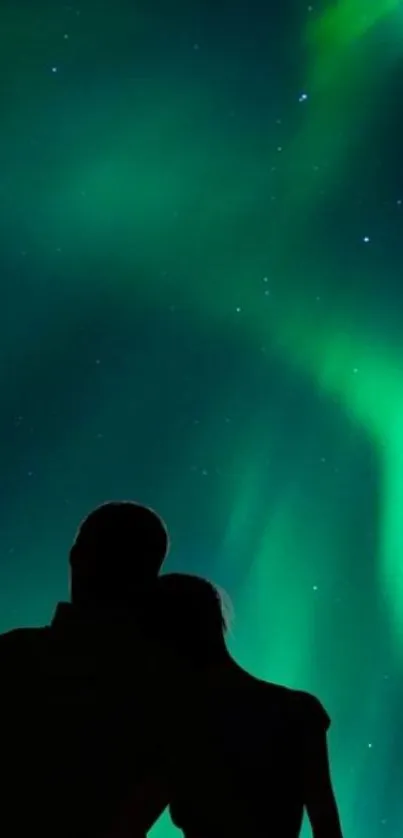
(194, 617)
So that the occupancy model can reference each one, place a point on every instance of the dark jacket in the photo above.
(81, 705)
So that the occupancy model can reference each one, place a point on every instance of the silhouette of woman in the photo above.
(246, 756)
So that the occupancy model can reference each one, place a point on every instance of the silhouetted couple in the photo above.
(129, 702)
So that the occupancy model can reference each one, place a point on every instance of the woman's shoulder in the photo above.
(310, 709)
(302, 705)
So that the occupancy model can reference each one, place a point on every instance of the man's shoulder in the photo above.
(21, 634)
(17, 640)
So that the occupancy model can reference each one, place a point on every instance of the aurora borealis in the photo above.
(201, 308)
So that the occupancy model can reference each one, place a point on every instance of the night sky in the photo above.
(201, 264)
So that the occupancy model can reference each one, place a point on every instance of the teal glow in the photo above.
(192, 315)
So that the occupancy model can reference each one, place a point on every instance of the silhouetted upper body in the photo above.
(243, 763)
(248, 755)
(81, 703)
(81, 700)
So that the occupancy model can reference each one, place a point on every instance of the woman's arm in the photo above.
(319, 800)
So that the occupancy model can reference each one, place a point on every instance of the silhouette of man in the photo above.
(81, 698)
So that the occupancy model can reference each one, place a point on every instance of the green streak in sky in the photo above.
(350, 49)
(341, 26)
(343, 71)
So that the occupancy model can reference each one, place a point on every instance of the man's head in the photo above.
(119, 549)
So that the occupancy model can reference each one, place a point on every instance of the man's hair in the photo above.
(119, 548)
(195, 615)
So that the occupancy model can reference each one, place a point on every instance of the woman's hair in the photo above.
(195, 616)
